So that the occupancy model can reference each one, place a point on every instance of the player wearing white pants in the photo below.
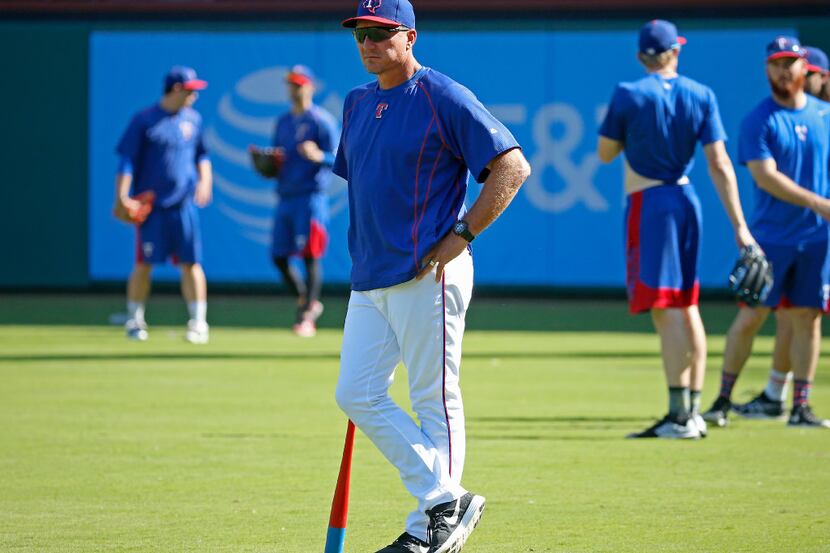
(410, 141)
(389, 325)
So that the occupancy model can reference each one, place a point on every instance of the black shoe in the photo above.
(670, 428)
(802, 416)
(451, 523)
(406, 543)
(718, 413)
(761, 407)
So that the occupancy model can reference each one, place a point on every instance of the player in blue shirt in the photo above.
(306, 137)
(162, 151)
(785, 144)
(769, 404)
(410, 138)
(658, 122)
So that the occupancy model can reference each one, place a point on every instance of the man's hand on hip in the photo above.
(450, 247)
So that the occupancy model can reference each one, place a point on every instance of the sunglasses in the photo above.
(377, 34)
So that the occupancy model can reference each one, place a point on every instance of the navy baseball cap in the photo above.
(186, 76)
(784, 47)
(392, 13)
(816, 60)
(659, 35)
(300, 75)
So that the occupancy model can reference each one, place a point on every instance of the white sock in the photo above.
(777, 385)
(135, 311)
(197, 310)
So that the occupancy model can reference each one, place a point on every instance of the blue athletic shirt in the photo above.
(405, 153)
(799, 141)
(660, 121)
(300, 176)
(161, 150)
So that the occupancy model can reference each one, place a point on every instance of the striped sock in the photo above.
(801, 392)
(727, 382)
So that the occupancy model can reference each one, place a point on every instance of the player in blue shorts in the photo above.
(162, 151)
(410, 139)
(658, 122)
(769, 403)
(306, 137)
(785, 144)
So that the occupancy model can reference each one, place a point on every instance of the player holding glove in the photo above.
(164, 161)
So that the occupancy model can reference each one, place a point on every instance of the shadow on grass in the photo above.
(322, 356)
(554, 420)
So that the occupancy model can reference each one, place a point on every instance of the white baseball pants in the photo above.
(420, 323)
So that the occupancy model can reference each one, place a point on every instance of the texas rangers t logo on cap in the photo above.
(372, 5)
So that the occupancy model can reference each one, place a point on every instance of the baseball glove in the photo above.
(139, 214)
(267, 161)
(751, 277)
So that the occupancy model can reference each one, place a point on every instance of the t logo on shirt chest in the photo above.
(381, 107)
(801, 132)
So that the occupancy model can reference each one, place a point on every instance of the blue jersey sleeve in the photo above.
(472, 133)
(613, 126)
(753, 142)
(712, 129)
(339, 166)
(129, 146)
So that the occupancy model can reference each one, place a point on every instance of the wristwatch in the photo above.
(462, 228)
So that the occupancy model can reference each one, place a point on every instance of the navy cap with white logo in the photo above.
(784, 47)
(389, 13)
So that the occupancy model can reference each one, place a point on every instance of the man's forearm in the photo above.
(507, 173)
(782, 187)
(122, 185)
(206, 173)
(723, 176)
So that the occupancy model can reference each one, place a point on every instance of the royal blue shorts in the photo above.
(300, 226)
(801, 275)
(662, 238)
(170, 233)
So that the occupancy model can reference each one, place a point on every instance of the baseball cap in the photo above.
(299, 75)
(394, 13)
(784, 47)
(816, 60)
(186, 76)
(659, 35)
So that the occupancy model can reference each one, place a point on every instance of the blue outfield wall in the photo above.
(550, 88)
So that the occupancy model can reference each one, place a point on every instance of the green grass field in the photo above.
(107, 445)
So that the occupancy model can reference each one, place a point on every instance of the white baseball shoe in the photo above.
(198, 332)
(136, 330)
(670, 428)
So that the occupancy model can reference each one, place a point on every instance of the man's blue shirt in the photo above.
(799, 142)
(162, 150)
(660, 121)
(406, 153)
(300, 176)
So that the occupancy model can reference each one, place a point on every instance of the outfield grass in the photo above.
(107, 445)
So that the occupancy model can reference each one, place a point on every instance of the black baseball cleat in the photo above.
(670, 428)
(718, 413)
(761, 407)
(406, 543)
(451, 523)
(802, 417)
